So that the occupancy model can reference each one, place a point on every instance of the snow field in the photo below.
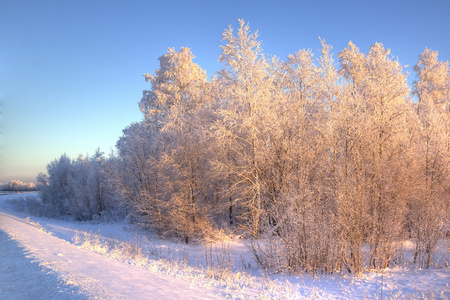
(119, 252)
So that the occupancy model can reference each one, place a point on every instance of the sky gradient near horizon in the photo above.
(71, 71)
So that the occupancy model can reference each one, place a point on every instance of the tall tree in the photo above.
(179, 103)
(241, 129)
(304, 209)
(134, 172)
(429, 207)
(381, 84)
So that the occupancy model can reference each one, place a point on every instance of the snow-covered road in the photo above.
(23, 278)
(37, 265)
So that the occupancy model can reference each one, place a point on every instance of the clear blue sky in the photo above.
(71, 71)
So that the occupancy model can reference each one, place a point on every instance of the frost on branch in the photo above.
(328, 165)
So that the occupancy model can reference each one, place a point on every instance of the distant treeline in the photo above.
(18, 186)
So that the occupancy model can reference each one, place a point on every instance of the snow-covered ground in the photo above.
(44, 258)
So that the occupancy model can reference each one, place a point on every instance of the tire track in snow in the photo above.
(21, 277)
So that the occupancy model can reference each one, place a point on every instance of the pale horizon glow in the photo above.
(71, 71)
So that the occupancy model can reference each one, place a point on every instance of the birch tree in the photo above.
(429, 206)
(178, 104)
(134, 173)
(245, 92)
(305, 231)
(384, 128)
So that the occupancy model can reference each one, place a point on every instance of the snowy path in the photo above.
(36, 263)
(23, 278)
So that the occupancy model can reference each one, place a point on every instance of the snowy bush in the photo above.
(32, 205)
(79, 188)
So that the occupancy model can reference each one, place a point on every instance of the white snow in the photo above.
(47, 261)
(55, 259)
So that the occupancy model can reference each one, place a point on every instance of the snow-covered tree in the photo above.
(164, 159)
(429, 204)
(303, 212)
(56, 192)
(171, 85)
(185, 162)
(318, 159)
(242, 127)
(379, 82)
(135, 174)
(88, 185)
(79, 188)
